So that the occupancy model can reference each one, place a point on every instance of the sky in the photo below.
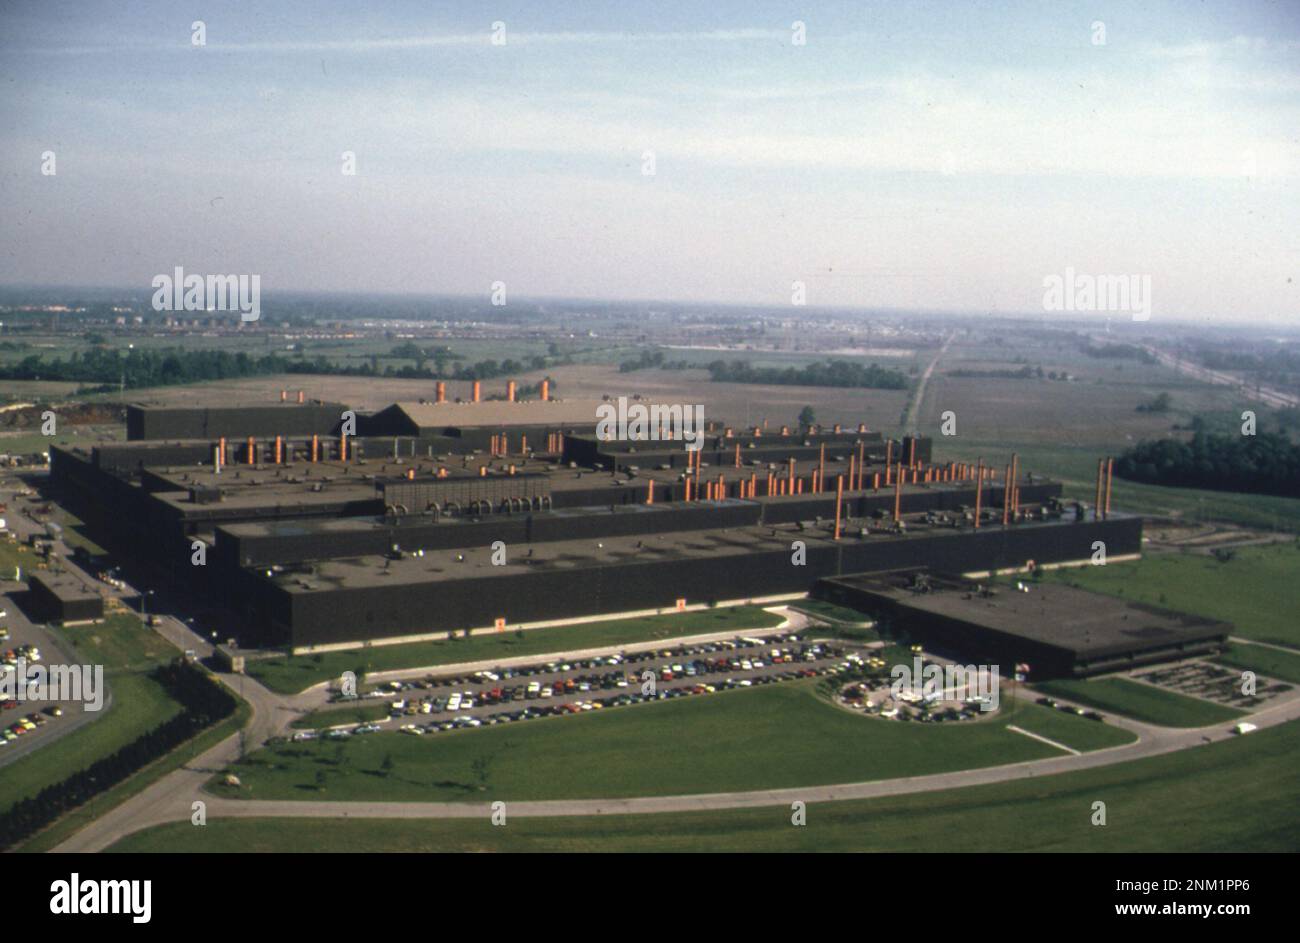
(929, 156)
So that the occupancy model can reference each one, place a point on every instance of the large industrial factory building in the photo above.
(439, 516)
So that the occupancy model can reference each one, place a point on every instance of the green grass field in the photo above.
(1142, 702)
(334, 716)
(128, 651)
(784, 735)
(1268, 662)
(291, 674)
(1236, 795)
(1258, 591)
(15, 556)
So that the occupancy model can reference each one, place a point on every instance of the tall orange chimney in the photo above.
(284, 396)
(343, 447)
(1101, 478)
(737, 454)
(302, 397)
(510, 391)
(839, 501)
(477, 394)
(1006, 498)
(546, 391)
(221, 444)
(315, 448)
(650, 492)
(252, 450)
(440, 392)
(279, 450)
(1110, 480)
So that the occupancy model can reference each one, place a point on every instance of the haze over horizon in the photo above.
(947, 162)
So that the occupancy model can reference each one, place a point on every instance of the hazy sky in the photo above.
(941, 155)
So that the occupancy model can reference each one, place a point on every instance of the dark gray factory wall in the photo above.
(233, 422)
(331, 616)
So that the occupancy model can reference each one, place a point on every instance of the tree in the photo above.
(807, 416)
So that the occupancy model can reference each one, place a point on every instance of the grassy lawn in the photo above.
(1067, 729)
(139, 705)
(352, 714)
(128, 651)
(783, 735)
(291, 674)
(1258, 591)
(1142, 702)
(102, 804)
(14, 555)
(1237, 795)
(1268, 662)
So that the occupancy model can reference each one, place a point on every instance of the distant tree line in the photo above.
(1266, 463)
(1119, 352)
(839, 373)
(1160, 404)
(1024, 373)
(175, 366)
(203, 703)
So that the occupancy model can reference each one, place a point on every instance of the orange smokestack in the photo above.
(737, 454)
(1110, 476)
(440, 392)
(315, 448)
(477, 391)
(839, 501)
(302, 397)
(898, 492)
(546, 391)
(1101, 478)
(279, 450)
(221, 444)
(284, 396)
(510, 391)
(1006, 498)
(343, 448)
(252, 450)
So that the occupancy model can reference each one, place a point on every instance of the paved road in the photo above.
(1266, 395)
(1154, 741)
(171, 798)
(914, 407)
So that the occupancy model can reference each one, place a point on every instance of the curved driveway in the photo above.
(171, 798)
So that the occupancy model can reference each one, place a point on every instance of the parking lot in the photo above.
(27, 726)
(441, 703)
